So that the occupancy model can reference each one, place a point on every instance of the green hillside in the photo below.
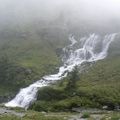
(59, 60)
(29, 52)
(97, 86)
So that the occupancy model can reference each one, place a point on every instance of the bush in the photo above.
(85, 115)
(41, 106)
(73, 77)
(49, 94)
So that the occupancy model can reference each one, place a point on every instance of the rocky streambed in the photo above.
(6, 111)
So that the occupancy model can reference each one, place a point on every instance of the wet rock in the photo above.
(105, 107)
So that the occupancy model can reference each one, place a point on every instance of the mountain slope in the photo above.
(35, 52)
(36, 48)
(97, 86)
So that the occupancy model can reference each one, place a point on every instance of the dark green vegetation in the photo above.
(97, 86)
(12, 77)
(86, 115)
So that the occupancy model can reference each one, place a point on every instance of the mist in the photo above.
(74, 12)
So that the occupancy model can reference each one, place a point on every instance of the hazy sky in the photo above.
(48, 9)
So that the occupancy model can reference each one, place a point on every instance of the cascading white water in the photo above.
(84, 50)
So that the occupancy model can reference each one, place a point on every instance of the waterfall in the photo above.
(87, 49)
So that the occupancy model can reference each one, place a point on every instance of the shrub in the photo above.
(49, 94)
(86, 115)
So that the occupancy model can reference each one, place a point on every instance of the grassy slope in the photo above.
(98, 86)
(102, 82)
(35, 49)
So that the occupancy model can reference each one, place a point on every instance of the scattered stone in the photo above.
(43, 112)
(105, 107)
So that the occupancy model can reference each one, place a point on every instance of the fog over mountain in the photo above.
(38, 8)
(97, 12)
